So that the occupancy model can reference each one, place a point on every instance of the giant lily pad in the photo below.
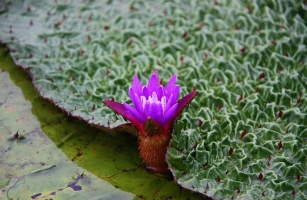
(242, 137)
(247, 139)
(37, 159)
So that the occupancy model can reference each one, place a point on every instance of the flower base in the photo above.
(153, 150)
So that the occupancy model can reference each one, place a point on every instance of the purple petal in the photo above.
(153, 83)
(137, 85)
(156, 73)
(182, 103)
(146, 92)
(120, 109)
(170, 86)
(136, 100)
(156, 112)
(146, 109)
(169, 103)
(173, 98)
(131, 94)
(175, 93)
(159, 92)
(169, 114)
(135, 113)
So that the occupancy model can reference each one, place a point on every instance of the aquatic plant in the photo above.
(154, 110)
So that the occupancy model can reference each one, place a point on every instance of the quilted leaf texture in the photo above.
(244, 135)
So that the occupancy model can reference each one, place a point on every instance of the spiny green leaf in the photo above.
(243, 140)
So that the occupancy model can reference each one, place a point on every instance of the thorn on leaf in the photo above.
(243, 134)
(240, 98)
(298, 177)
(279, 145)
(230, 151)
(280, 113)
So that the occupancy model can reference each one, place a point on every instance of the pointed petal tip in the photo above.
(174, 77)
(136, 85)
(182, 103)
(186, 99)
(171, 85)
(155, 71)
(195, 91)
(113, 105)
(107, 101)
(153, 83)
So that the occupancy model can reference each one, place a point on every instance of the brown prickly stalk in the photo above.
(153, 150)
(153, 143)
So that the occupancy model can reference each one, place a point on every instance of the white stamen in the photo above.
(143, 101)
(163, 102)
(154, 97)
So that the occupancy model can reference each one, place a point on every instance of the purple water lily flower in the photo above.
(152, 104)
(154, 109)
(153, 101)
